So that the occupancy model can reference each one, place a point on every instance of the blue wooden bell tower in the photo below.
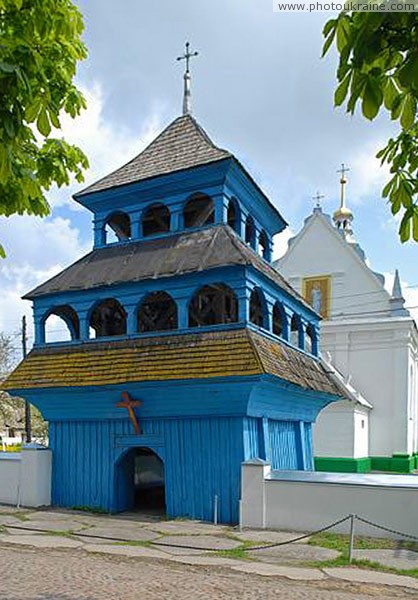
(184, 341)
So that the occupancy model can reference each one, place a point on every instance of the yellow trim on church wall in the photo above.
(317, 291)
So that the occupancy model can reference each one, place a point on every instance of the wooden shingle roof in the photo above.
(191, 356)
(182, 145)
(158, 258)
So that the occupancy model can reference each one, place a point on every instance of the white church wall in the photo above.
(361, 433)
(377, 359)
(320, 251)
(333, 432)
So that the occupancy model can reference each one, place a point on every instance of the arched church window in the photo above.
(310, 340)
(257, 307)
(156, 219)
(199, 211)
(295, 326)
(118, 227)
(263, 245)
(233, 215)
(61, 324)
(279, 320)
(108, 318)
(249, 231)
(213, 305)
(158, 312)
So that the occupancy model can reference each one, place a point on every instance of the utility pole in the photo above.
(28, 426)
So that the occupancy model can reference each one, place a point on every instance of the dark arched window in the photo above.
(212, 305)
(61, 324)
(295, 327)
(257, 307)
(108, 318)
(279, 320)
(156, 219)
(311, 344)
(158, 312)
(118, 227)
(199, 211)
(264, 245)
(250, 231)
(233, 216)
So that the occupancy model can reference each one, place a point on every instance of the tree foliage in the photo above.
(40, 45)
(12, 410)
(378, 67)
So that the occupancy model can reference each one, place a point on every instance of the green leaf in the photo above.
(409, 110)
(405, 228)
(390, 94)
(32, 110)
(7, 67)
(415, 224)
(43, 124)
(2, 252)
(343, 32)
(372, 98)
(342, 90)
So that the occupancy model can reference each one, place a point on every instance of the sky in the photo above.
(260, 89)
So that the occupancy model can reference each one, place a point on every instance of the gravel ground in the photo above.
(72, 574)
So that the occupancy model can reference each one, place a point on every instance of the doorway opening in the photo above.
(141, 482)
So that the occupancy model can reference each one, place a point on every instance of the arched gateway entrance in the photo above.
(140, 481)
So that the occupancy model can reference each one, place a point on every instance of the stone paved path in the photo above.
(69, 555)
(74, 575)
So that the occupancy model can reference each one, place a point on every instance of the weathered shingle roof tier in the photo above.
(182, 145)
(158, 258)
(192, 356)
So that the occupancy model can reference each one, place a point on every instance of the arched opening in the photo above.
(108, 318)
(61, 324)
(158, 312)
(212, 305)
(156, 219)
(199, 211)
(279, 320)
(233, 215)
(295, 326)
(264, 245)
(250, 231)
(311, 345)
(140, 481)
(118, 227)
(257, 315)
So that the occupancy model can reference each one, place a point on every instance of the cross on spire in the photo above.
(343, 181)
(187, 79)
(318, 199)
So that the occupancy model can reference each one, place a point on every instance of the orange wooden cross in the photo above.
(130, 404)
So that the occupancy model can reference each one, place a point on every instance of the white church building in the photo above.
(370, 337)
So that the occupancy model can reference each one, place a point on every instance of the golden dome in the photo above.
(343, 213)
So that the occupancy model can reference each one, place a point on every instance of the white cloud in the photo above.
(106, 147)
(281, 242)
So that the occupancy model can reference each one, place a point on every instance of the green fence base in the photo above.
(342, 465)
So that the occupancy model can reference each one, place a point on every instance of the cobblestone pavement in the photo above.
(72, 574)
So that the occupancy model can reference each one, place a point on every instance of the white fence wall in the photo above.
(25, 477)
(303, 501)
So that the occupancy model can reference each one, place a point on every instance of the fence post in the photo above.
(351, 548)
(215, 510)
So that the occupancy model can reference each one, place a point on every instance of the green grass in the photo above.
(340, 542)
(142, 543)
(95, 510)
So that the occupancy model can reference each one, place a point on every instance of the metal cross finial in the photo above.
(343, 181)
(187, 94)
(318, 199)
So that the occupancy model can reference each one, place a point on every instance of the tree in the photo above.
(378, 66)
(12, 410)
(40, 45)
